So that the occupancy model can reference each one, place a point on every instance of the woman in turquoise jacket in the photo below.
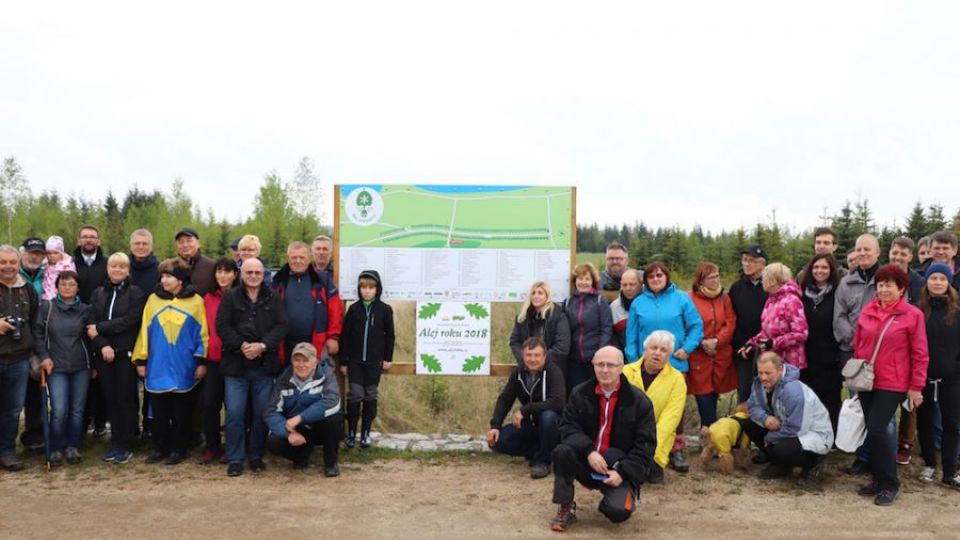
(663, 307)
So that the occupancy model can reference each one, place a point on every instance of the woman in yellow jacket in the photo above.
(667, 390)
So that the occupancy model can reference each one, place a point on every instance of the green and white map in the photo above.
(456, 242)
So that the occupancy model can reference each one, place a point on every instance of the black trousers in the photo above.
(118, 384)
(948, 401)
(879, 406)
(364, 380)
(746, 371)
(172, 413)
(212, 403)
(826, 382)
(327, 433)
(788, 453)
(618, 503)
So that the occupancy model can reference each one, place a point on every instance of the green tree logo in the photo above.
(364, 201)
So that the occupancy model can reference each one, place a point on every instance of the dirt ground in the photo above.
(443, 497)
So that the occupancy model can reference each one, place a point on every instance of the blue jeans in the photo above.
(13, 390)
(256, 385)
(533, 440)
(68, 398)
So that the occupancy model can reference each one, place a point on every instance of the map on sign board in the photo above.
(457, 243)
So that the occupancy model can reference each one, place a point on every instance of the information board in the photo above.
(455, 243)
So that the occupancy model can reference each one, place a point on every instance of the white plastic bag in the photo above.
(852, 427)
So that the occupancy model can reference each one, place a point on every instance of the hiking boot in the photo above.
(656, 475)
(11, 462)
(331, 472)
(927, 474)
(857, 467)
(903, 454)
(566, 516)
(257, 465)
(539, 470)
(886, 497)
(235, 469)
(952, 482)
(122, 456)
(678, 462)
(72, 455)
(772, 471)
(869, 490)
(209, 457)
(55, 459)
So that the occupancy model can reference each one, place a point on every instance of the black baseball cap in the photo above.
(34, 244)
(188, 232)
(235, 245)
(755, 251)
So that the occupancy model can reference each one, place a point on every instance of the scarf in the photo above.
(710, 293)
(816, 293)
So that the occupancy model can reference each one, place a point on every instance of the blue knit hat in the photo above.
(939, 268)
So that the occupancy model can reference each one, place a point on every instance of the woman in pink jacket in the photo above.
(900, 371)
(783, 324)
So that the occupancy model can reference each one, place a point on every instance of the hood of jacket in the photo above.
(374, 275)
(787, 289)
(186, 292)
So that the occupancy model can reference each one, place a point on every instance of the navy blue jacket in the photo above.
(318, 399)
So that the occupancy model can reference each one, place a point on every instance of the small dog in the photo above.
(727, 440)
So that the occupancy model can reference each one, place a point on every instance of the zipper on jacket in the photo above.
(606, 420)
(580, 320)
(366, 329)
(112, 300)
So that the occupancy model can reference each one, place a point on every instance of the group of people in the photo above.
(780, 343)
(78, 333)
(602, 378)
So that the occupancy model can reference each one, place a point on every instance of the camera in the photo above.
(17, 323)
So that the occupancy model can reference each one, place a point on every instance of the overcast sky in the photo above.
(673, 113)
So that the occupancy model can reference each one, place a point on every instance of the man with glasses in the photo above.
(607, 438)
(747, 298)
(616, 264)
(251, 323)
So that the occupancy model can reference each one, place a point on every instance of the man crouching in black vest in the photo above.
(607, 438)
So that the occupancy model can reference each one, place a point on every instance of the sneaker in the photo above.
(903, 454)
(886, 497)
(772, 471)
(11, 462)
(869, 490)
(110, 455)
(857, 467)
(365, 441)
(331, 472)
(55, 459)
(72, 455)
(566, 516)
(257, 465)
(155, 457)
(122, 457)
(678, 462)
(235, 469)
(351, 439)
(656, 475)
(209, 457)
(539, 470)
(812, 476)
(952, 482)
(100, 432)
(927, 474)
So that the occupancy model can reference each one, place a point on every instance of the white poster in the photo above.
(453, 338)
